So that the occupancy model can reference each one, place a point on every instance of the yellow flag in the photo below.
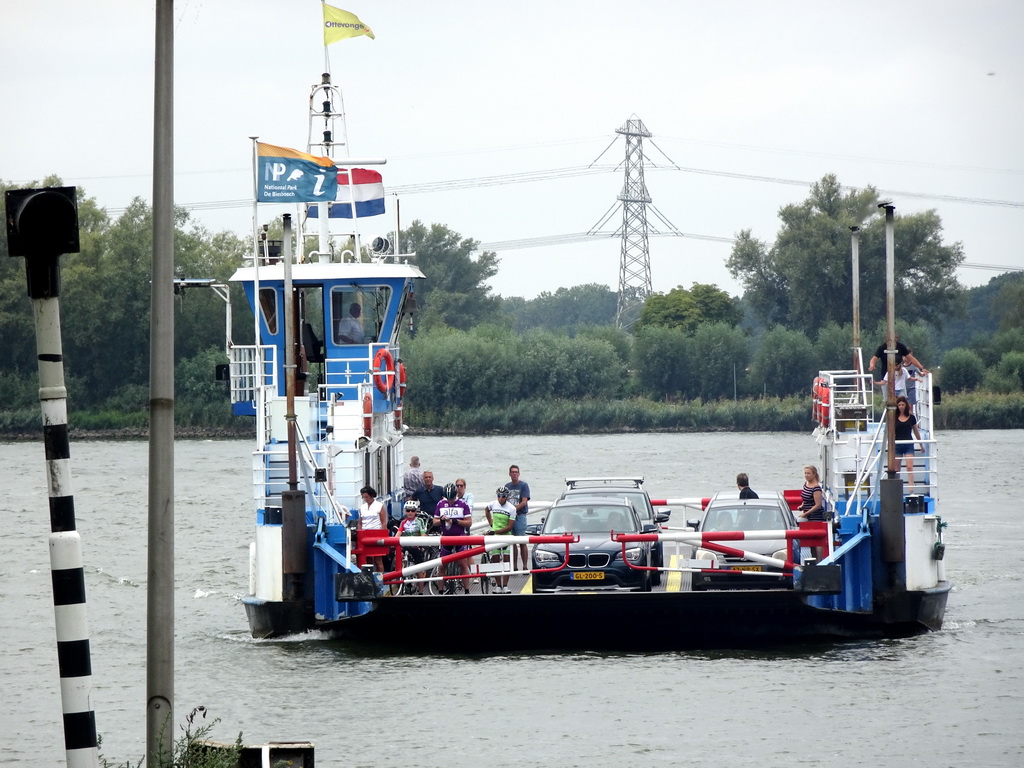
(341, 25)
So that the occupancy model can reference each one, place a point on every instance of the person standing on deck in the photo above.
(913, 376)
(743, 483)
(812, 503)
(454, 518)
(519, 497)
(412, 480)
(501, 517)
(902, 351)
(906, 431)
(901, 381)
(429, 494)
(462, 493)
(372, 517)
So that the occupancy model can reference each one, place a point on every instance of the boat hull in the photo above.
(276, 619)
(637, 621)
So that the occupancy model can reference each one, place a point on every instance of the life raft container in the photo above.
(823, 408)
(367, 414)
(401, 394)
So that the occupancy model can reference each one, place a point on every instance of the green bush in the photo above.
(783, 364)
(981, 410)
(962, 370)
(1010, 368)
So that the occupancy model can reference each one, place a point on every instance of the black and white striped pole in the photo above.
(42, 224)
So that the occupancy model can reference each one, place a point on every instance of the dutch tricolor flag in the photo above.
(367, 190)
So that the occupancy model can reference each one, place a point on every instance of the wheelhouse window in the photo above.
(358, 312)
(268, 306)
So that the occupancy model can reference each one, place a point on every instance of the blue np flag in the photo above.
(289, 176)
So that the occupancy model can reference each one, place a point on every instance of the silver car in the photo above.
(728, 512)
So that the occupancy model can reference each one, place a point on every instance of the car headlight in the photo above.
(780, 554)
(706, 554)
(545, 557)
(633, 554)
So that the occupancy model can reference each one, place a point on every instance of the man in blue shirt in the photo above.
(519, 497)
(429, 494)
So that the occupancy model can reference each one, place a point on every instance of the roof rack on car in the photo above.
(575, 482)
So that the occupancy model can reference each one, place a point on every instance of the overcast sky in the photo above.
(921, 97)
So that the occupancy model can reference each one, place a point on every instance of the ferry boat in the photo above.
(327, 406)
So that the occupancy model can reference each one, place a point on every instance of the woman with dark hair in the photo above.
(906, 431)
(372, 517)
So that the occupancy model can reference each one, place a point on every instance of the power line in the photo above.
(525, 177)
(580, 237)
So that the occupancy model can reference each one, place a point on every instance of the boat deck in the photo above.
(521, 584)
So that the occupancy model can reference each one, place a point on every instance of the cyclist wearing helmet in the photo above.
(454, 516)
(413, 525)
(502, 517)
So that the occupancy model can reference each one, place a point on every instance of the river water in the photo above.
(949, 698)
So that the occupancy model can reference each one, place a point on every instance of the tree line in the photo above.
(473, 349)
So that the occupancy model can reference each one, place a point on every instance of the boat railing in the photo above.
(861, 494)
(252, 367)
(335, 513)
(925, 462)
(847, 402)
(345, 372)
(253, 380)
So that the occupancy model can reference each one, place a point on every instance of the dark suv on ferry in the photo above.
(726, 511)
(631, 488)
(595, 562)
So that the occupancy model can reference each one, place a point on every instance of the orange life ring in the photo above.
(824, 405)
(383, 371)
(367, 414)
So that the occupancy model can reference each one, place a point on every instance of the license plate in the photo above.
(745, 567)
(588, 576)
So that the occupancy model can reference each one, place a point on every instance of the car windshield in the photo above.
(745, 519)
(589, 519)
(636, 497)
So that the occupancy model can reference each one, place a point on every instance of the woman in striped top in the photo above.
(811, 507)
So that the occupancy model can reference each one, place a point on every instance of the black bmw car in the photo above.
(595, 562)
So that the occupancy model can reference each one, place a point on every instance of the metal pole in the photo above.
(41, 225)
(293, 501)
(890, 333)
(858, 358)
(289, 351)
(160, 592)
(398, 231)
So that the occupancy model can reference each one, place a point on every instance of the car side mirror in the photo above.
(662, 517)
(650, 528)
(693, 524)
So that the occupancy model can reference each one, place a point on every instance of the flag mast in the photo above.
(338, 25)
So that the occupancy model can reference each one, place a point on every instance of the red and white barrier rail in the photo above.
(692, 501)
(476, 545)
(810, 534)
